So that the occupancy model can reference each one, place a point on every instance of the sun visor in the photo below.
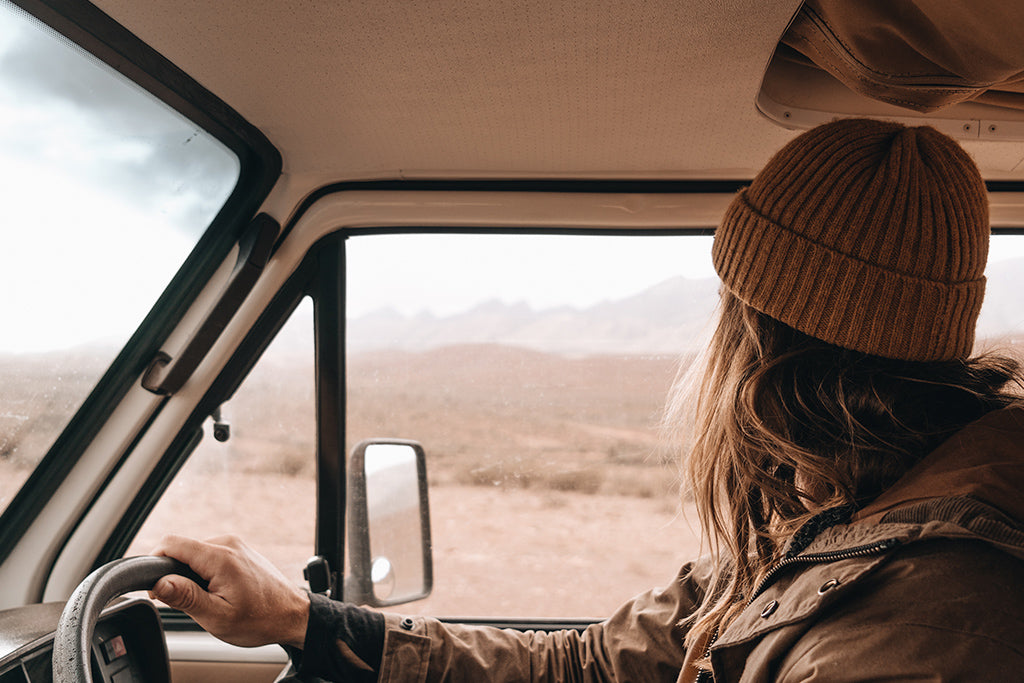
(956, 66)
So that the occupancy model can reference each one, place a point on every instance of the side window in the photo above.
(259, 483)
(1001, 323)
(533, 370)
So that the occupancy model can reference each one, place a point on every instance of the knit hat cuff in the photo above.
(839, 299)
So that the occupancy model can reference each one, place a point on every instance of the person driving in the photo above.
(857, 472)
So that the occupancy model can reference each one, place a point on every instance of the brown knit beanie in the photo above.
(865, 234)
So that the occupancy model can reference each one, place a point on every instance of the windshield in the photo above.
(105, 191)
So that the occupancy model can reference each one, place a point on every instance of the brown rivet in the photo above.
(407, 624)
(827, 586)
(769, 609)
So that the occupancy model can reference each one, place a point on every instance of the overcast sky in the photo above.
(104, 192)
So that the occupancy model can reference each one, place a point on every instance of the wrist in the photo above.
(297, 621)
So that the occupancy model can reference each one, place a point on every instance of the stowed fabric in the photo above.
(864, 234)
(931, 54)
(923, 585)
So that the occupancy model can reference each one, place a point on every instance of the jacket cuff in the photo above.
(406, 650)
(342, 641)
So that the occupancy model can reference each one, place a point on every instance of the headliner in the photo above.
(388, 89)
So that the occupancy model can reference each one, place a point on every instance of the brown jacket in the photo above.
(927, 583)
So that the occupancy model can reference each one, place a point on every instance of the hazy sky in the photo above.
(414, 273)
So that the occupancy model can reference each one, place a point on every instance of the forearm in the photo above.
(642, 641)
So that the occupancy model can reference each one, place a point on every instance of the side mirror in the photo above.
(390, 560)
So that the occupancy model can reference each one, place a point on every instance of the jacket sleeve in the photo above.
(642, 641)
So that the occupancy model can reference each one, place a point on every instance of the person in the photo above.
(857, 472)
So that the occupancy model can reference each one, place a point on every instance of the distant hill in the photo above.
(668, 318)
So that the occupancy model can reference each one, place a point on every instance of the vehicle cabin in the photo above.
(397, 291)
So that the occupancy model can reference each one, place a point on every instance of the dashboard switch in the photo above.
(114, 648)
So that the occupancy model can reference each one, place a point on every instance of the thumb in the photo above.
(180, 593)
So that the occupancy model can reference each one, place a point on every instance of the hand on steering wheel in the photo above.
(230, 590)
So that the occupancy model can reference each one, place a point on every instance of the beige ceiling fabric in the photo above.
(463, 89)
(496, 89)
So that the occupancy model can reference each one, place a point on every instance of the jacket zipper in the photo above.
(704, 674)
(811, 558)
(820, 558)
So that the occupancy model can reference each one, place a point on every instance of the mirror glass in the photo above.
(394, 519)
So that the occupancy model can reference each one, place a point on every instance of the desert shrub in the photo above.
(493, 474)
(586, 481)
(626, 452)
(293, 462)
(641, 482)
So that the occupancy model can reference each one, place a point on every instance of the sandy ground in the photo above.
(549, 495)
(542, 554)
(516, 553)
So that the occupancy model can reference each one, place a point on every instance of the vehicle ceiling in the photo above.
(387, 89)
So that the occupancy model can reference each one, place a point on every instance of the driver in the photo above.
(857, 471)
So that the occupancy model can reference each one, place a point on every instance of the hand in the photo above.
(248, 601)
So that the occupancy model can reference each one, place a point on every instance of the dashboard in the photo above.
(128, 645)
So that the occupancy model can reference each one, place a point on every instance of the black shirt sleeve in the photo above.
(343, 643)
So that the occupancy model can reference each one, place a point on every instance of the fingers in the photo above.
(187, 550)
(207, 558)
(247, 602)
(184, 548)
(180, 593)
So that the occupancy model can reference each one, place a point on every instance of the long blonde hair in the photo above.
(785, 426)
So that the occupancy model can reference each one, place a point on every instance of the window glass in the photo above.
(260, 483)
(533, 370)
(105, 191)
(1001, 323)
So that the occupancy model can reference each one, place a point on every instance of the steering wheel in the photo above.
(72, 642)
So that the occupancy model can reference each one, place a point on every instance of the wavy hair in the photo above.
(783, 426)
